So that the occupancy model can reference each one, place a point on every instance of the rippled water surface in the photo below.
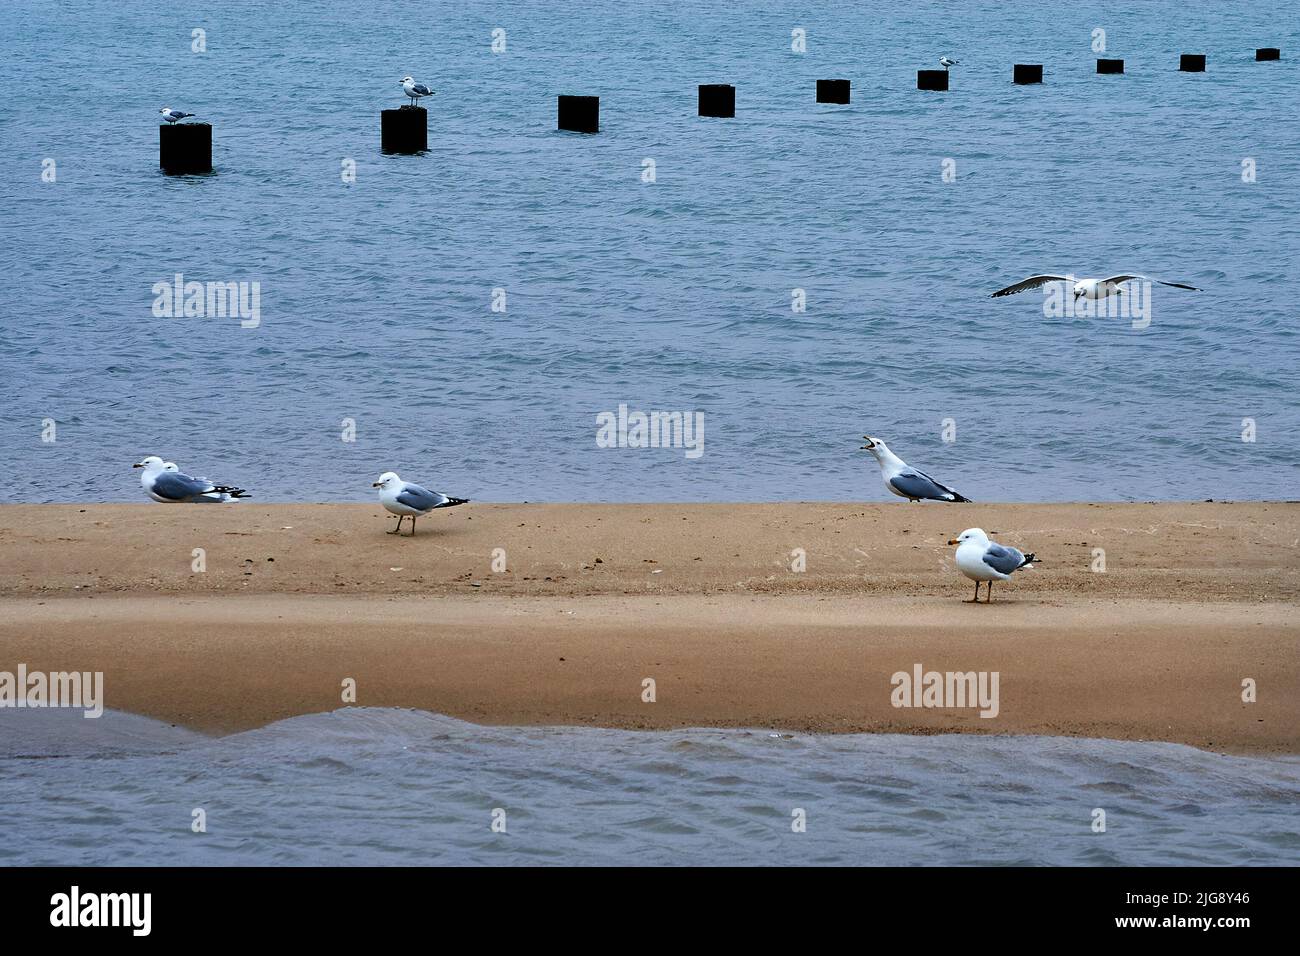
(378, 786)
(676, 295)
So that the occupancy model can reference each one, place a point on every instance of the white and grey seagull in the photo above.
(173, 487)
(945, 62)
(1087, 288)
(983, 560)
(408, 500)
(414, 90)
(904, 480)
(172, 116)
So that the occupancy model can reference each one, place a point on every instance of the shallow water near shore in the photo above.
(376, 296)
(385, 786)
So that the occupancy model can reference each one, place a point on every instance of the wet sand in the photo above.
(701, 599)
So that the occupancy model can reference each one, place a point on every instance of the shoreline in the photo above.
(1195, 598)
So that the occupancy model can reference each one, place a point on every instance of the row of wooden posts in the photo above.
(187, 147)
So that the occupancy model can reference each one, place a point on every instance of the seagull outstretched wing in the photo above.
(1033, 282)
(1116, 280)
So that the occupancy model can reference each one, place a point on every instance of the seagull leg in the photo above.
(412, 526)
(977, 595)
(398, 529)
(989, 598)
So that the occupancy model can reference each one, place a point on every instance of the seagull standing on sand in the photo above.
(171, 115)
(904, 480)
(173, 487)
(1087, 288)
(945, 62)
(414, 90)
(983, 560)
(407, 500)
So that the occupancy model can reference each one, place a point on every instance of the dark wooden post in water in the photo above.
(185, 148)
(1110, 66)
(404, 130)
(1192, 62)
(579, 114)
(717, 99)
(1023, 73)
(932, 79)
(1268, 53)
(833, 91)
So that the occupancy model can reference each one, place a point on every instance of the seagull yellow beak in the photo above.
(376, 484)
(952, 541)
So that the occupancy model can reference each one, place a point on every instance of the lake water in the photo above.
(382, 786)
(376, 296)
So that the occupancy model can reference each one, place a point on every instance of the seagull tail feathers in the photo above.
(453, 502)
(957, 496)
(230, 490)
(1029, 559)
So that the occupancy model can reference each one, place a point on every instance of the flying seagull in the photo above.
(983, 560)
(171, 115)
(173, 487)
(414, 90)
(904, 480)
(945, 62)
(405, 499)
(1087, 288)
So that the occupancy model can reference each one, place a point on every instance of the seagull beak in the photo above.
(138, 464)
(870, 443)
(377, 484)
(952, 540)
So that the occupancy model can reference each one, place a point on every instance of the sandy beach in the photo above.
(702, 599)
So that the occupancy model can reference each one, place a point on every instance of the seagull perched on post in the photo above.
(1087, 288)
(904, 480)
(945, 62)
(170, 486)
(983, 560)
(414, 90)
(172, 116)
(407, 500)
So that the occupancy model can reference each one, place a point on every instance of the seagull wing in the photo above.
(1033, 282)
(1003, 559)
(174, 486)
(421, 89)
(1116, 280)
(420, 498)
(917, 484)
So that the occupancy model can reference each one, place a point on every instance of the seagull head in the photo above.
(152, 463)
(170, 466)
(874, 445)
(406, 79)
(386, 479)
(976, 535)
(165, 109)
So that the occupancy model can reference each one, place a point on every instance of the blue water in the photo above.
(376, 786)
(375, 296)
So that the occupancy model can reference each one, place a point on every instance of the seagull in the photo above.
(1087, 288)
(405, 499)
(171, 115)
(414, 90)
(945, 62)
(904, 480)
(172, 487)
(983, 560)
